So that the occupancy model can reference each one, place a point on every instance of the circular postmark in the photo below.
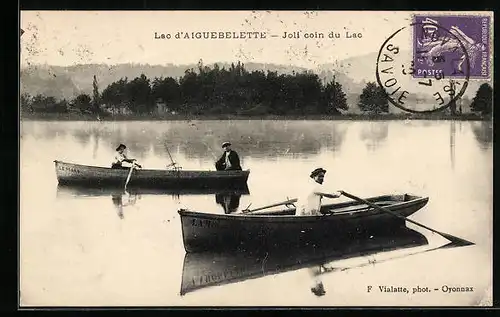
(429, 78)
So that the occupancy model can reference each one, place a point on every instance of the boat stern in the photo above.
(57, 167)
(413, 204)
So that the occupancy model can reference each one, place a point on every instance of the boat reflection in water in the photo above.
(83, 191)
(229, 199)
(206, 269)
(230, 202)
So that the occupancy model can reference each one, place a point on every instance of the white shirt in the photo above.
(119, 157)
(228, 163)
(309, 203)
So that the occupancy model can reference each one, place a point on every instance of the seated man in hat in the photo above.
(120, 157)
(229, 159)
(309, 204)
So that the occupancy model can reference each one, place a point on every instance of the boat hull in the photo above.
(204, 231)
(75, 174)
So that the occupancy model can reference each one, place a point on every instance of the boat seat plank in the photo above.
(331, 209)
(361, 207)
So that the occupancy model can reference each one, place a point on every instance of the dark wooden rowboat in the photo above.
(68, 173)
(206, 269)
(282, 228)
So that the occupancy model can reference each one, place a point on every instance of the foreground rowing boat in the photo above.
(206, 269)
(68, 173)
(282, 228)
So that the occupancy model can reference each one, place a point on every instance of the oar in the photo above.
(286, 202)
(171, 159)
(453, 239)
(128, 177)
(172, 164)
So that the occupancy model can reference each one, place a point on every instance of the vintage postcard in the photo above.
(256, 158)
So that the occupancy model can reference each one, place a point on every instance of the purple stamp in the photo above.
(445, 44)
(426, 66)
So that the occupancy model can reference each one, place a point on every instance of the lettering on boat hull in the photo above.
(204, 223)
(70, 169)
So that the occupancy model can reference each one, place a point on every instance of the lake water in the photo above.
(80, 249)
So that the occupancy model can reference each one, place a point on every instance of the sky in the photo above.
(113, 37)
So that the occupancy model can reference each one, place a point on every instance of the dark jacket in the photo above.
(220, 165)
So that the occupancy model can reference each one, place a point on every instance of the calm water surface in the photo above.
(82, 248)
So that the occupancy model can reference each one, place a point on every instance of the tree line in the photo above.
(235, 91)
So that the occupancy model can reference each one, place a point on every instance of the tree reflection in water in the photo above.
(483, 132)
(374, 134)
(452, 143)
(201, 140)
(257, 138)
(46, 130)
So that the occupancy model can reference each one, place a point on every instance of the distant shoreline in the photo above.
(354, 117)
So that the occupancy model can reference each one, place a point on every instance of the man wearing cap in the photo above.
(310, 203)
(229, 159)
(120, 157)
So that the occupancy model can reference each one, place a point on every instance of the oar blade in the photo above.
(128, 177)
(456, 241)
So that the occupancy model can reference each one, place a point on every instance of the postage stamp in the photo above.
(396, 73)
(445, 53)
(438, 40)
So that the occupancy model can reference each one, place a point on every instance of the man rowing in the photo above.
(120, 157)
(309, 204)
(229, 159)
